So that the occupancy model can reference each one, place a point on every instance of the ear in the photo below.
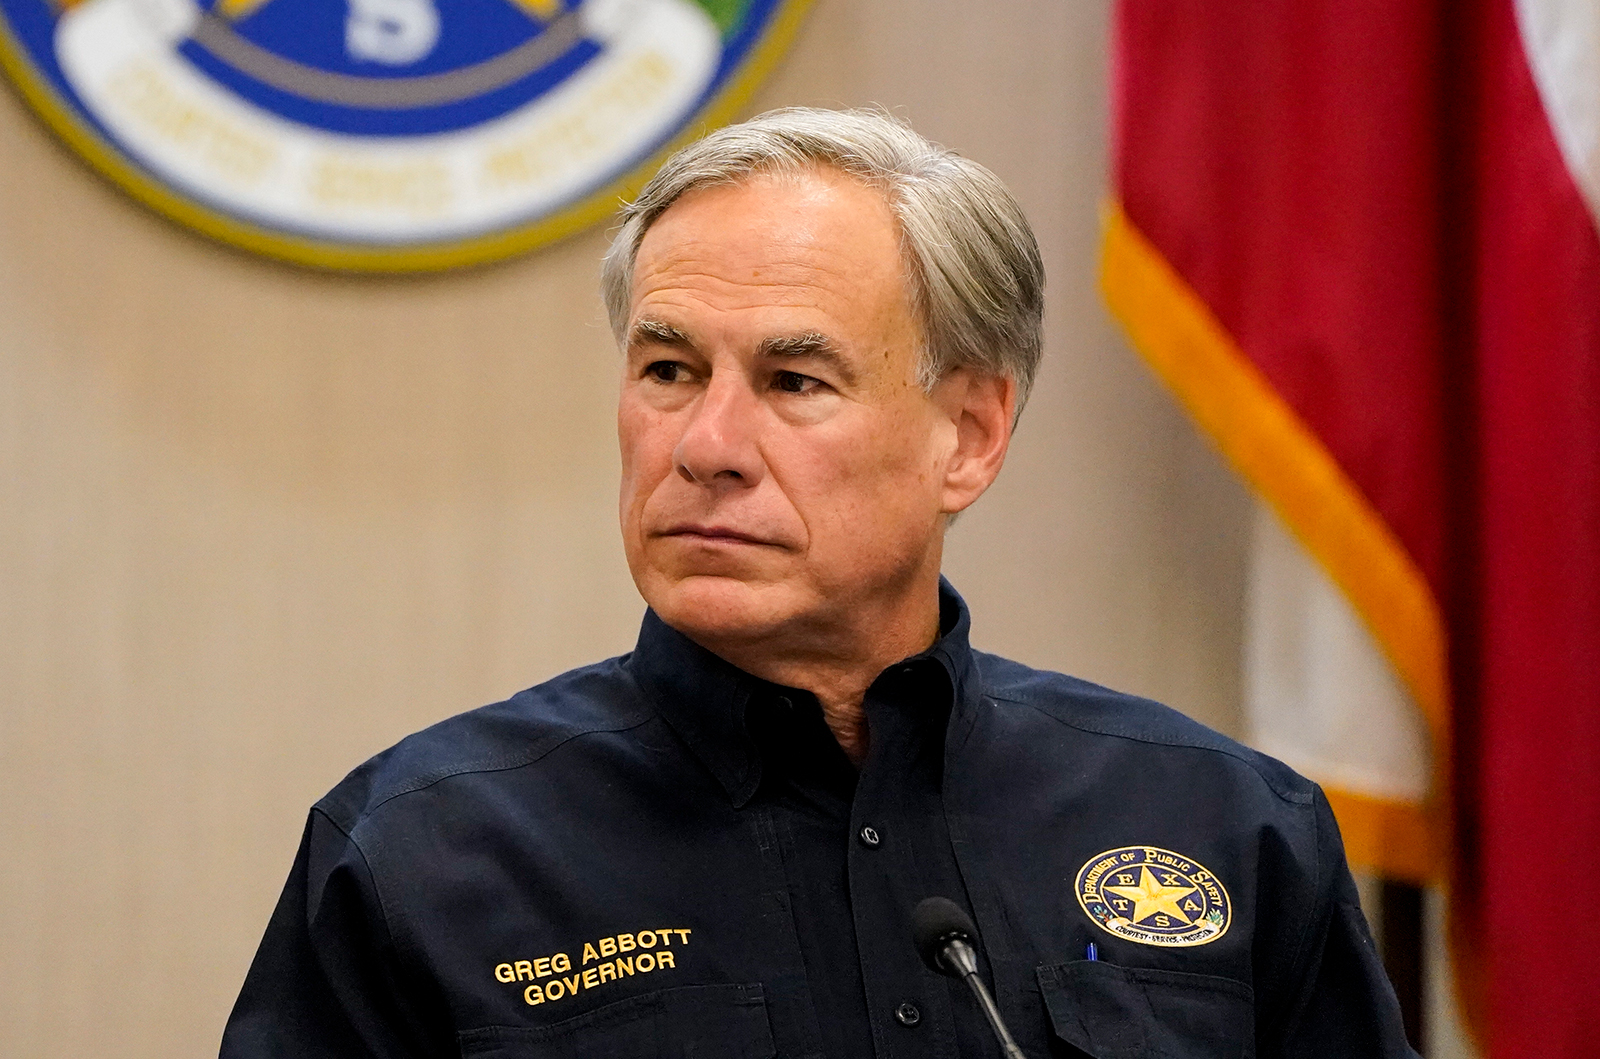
(981, 407)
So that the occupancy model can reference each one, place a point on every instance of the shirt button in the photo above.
(907, 1014)
(785, 702)
(869, 837)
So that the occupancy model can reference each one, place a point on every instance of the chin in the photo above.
(711, 608)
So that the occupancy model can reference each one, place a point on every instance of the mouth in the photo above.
(703, 534)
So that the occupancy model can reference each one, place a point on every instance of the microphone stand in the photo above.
(960, 958)
(943, 935)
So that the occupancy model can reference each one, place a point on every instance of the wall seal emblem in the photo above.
(1153, 896)
(386, 135)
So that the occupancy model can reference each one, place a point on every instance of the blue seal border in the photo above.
(745, 64)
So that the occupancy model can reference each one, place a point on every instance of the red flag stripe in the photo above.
(1364, 207)
(1527, 615)
(1268, 444)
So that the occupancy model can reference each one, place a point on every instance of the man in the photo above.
(711, 846)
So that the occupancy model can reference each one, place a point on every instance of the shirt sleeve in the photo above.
(1346, 1005)
(327, 980)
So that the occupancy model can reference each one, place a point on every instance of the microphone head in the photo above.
(934, 922)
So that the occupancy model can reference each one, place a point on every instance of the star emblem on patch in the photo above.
(1153, 896)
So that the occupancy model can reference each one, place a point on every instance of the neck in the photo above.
(839, 668)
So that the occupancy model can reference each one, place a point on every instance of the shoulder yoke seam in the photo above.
(1291, 797)
(538, 750)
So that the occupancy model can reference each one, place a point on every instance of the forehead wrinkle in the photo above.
(718, 294)
(796, 276)
(766, 260)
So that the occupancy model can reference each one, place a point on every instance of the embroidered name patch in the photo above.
(610, 959)
(1153, 896)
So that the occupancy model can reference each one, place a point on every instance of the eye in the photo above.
(794, 382)
(666, 371)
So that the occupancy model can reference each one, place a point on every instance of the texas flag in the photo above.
(1358, 239)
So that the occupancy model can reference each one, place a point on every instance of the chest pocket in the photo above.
(1110, 1012)
(691, 1022)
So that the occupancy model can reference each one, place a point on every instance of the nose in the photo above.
(719, 446)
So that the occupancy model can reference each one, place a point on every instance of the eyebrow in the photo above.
(813, 345)
(659, 333)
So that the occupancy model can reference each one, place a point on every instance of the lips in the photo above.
(715, 535)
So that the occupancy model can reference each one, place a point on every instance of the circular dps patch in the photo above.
(385, 134)
(1153, 896)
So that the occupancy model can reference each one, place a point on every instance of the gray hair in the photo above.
(975, 277)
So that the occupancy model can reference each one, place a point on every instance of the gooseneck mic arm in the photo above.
(943, 934)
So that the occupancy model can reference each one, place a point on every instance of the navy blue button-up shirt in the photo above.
(661, 855)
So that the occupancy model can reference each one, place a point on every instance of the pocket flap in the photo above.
(690, 1022)
(1112, 1012)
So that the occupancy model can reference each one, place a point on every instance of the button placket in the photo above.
(899, 788)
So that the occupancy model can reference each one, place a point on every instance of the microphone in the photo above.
(943, 935)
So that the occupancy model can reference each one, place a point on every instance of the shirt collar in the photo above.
(704, 698)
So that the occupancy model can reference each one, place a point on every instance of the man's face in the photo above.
(782, 471)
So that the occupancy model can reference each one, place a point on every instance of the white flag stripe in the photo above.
(1562, 41)
(1319, 693)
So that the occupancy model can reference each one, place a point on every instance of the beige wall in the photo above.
(257, 523)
